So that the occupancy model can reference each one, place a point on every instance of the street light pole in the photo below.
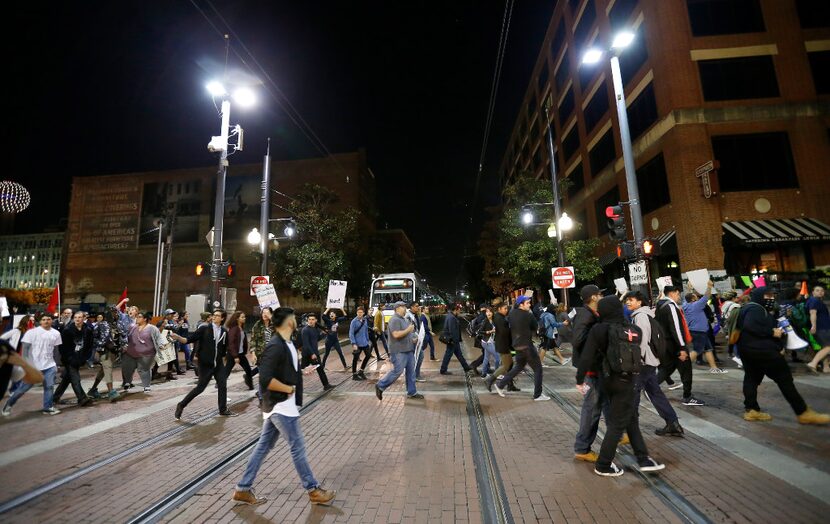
(265, 211)
(557, 209)
(219, 209)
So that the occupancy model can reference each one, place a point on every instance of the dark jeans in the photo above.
(478, 361)
(428, 341)
(647, 381)
(621, 418)
(336, 345)
(373, 339)
(367, 354)
(453, 348)
(760, 363)
(525, 357)
(243, 361)
(71, 375)
(594, 405)
(205, 374)
(684, 367)
(320, 371)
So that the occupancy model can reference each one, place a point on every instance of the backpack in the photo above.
(623, 355)
(657, 343)
(799, 316)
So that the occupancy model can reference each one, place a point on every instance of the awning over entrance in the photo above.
(748, 232)
(607, 258)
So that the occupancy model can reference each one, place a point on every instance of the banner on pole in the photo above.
(337, 294)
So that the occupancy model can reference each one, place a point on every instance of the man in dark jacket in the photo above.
(618, 386)
(310, 343)
(678, 343)
(761, 348)
(504, 347)
(452, 332)
(522, 327)
(594, 401)
(75, 350)
(281, 383)
(213, 346)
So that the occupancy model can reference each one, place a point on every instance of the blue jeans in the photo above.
(401, 362)
(594, 404)
(431, 343)
(48, 383)
(647, 381)
(489, 351)
(271, 429)
(420, 361)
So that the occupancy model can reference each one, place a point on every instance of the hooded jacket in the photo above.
(583, 321)
(610, 311)
(668, 314)
(757, 325)
(639, 317)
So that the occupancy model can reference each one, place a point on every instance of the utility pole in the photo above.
(219, 208)
(157, 284)
(557, 207)
(265, 211)
(168, 256)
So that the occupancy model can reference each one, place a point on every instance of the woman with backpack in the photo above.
(550, 326)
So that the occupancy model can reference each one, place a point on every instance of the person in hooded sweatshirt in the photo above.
(761, 347)
(618, 386)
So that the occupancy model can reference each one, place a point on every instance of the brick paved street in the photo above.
(416, 461)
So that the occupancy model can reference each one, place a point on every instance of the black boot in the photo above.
(361, 375)
(672, 429)
(512, 387)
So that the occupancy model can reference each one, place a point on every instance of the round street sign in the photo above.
(563, 277)
(257, 281)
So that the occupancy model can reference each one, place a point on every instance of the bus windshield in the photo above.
(389, 291)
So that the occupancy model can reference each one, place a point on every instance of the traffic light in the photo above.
(202, 269)
(651, 248)
(616, 223)
(228, 270)
(625, 250)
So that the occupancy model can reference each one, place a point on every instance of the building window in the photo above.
(570, 144)
(620, 12)
(543, 78)
(736, 78)
(755, 162)
(820, 66)
(642, 112)
(653, 183)
(634, 57)
(577, 182)
(813, 13)
(562, 74)
(589, 16)
(558, 40)
(574, 5)
(603, 153)
(611, 198)
(596, 108)
(722, 17)
(566, 107)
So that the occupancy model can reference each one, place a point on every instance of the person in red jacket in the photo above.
(238, 347)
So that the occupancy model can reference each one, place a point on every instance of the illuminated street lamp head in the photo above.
(244, 97)
(622, 40)
(254, 237)
(290, 229)
(216, 89)
(592, 56)
(527, 215)
(566, 223)
(552, 231)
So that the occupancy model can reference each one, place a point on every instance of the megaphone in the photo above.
(794, 342)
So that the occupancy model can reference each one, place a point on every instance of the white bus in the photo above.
(405, 287)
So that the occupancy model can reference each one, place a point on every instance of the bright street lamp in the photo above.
(592, 56)
(216, 89)
(254, 237)
(566, 223)
(622, 40)
(552, 231)
(244, 97)
(290, 229)
(527, 215)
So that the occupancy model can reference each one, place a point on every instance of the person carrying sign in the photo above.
(331, 322)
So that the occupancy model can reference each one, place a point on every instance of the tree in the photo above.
(517, 255)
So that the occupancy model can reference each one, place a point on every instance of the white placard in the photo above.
(698, 278)
(552, 297)
(529, 293)
(637, 273)
(266, 295)
(4, 308)
(622, 285)
(337, 294)
(662, 282)
(419, 345)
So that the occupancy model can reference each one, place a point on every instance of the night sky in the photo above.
(116, 87)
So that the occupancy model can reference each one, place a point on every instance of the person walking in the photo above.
(613, 346)
(487, 332)
(678, 340)
(504, 347)
(106, 352)
(39, 344)
(359, 337)
(76, 346)
(143, 342)
(183, 329)
(213, 346)
(379, 327)
(646, 380)
(402, 339)
(522, 327)
(310, 338)
(238, 347)
(761, 347)
(414, 315)
(331, 322)
(695, 308)
(551, 326)
(428, 333)
(452, 334)
(819, 327)
(15, 336)
(594, 400)
(281, 383)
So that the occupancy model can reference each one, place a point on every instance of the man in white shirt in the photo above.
(39, 343)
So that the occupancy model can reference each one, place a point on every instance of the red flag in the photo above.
(54, 301)
(123, 296)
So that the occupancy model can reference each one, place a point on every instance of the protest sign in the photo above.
(699, 278)
(266, 295)
(622, 285)
(337, 294)
(662, 282)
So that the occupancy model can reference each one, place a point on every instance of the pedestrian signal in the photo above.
(201, 269)
(625, 250)
(650, 248)
(616, 223)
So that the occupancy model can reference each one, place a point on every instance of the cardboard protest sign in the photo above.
(622, 285)
(337, 294)
(699, 278)
(266, 295)
(662, 282)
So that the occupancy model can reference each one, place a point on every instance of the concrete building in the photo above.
(744, 84)
(30, 261)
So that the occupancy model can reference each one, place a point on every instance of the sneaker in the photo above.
(85, 402)
(753, 415)
(512, 387)
(93, 393)
(590, 456)
(178, 414)
(321, 496)
(445, 372)
(672, 429)
(489, 383)
(610, 471)
(738, 361)
(51, 411)
(692, 401)
(648, 464)
(811, 417)
(147, 389)
(228, 413)
(328, 387)
(361, 374)
(420, 379)
(378, 392)
(247, 497)
(7, 410)
(676, 385)
(113, 395)
(416, 396)
(566, 362)
(541, 398)
(355, 376)
(499, 390)
(718, 371)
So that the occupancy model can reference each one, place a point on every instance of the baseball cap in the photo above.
(588, 291)
(168, 311)
(398, 304)
(522, 299)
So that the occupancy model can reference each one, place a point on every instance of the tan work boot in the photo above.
(321, 496)
(753, 415)
(247, 497)
(624, 440)
(591, 456)
(811, 417)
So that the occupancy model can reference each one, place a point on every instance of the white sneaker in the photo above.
(7, 410)
(718, 371)
(738, 361)
(420, 379)
(676, 385)
(51, 411)
(147, 389)
(566, 361)
(546, 366)
(499, 390)
(541, 398)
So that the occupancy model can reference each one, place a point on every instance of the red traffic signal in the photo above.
(614, 212)
(625, 251)
(616, 223)
(230, 270)
(201, 269)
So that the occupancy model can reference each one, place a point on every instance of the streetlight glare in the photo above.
(527, 216)
(289, 230)
(592, 56)
(216, 88)
(244, 97)
(551, 231)
(254, 237)
(622, 40)
(566, 223)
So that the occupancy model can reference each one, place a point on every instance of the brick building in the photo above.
(111, 242)
(742, 83)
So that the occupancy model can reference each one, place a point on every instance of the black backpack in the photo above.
(623, 355)
(658, 339)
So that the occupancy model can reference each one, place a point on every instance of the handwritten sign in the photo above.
(337, 294)
(266, 295)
